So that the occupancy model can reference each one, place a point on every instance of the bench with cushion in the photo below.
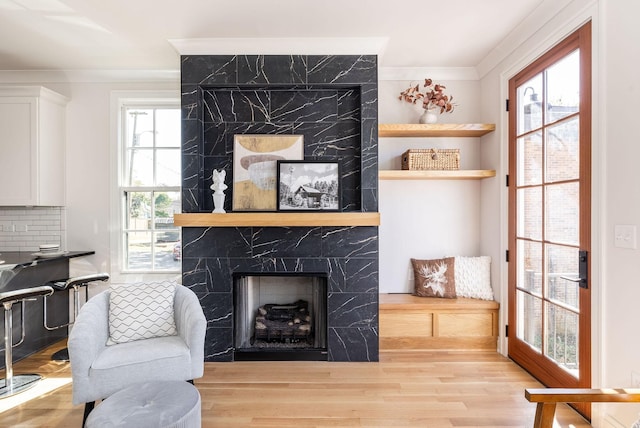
(408, 322)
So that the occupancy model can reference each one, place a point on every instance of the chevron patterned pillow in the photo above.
(141, 311)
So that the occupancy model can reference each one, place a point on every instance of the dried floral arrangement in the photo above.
(432, 97)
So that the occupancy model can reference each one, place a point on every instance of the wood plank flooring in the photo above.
(405, 389)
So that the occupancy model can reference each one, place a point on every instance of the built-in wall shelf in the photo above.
(277, 219)
(469, 174)
(435, 129)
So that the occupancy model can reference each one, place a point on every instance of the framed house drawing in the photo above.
(308, 186)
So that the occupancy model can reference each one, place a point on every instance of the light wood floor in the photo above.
(406, 389)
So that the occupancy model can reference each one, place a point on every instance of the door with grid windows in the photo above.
(549, 215)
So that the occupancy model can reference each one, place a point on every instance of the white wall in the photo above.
(619, 150)
(89, 174)
(88, 160)
(433, 218)
(615, 192)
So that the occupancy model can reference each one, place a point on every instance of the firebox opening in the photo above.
(280, 316)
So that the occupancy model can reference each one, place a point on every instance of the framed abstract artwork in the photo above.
(255, 160)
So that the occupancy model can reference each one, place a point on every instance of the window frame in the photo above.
(119, 101)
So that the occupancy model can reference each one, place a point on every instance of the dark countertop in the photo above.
(21, 259)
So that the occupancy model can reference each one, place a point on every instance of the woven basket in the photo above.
(421, 159)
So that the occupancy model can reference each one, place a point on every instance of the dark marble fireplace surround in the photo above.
(331, 101)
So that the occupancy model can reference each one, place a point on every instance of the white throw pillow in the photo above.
(141, 311)
(473, 277)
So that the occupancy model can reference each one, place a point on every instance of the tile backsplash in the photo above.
(25, 228)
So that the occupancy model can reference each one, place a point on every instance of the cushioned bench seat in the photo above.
(409, 322)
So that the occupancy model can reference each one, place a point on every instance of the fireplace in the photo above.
(280, 316)
(331, 100)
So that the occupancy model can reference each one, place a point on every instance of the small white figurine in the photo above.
(218, 188)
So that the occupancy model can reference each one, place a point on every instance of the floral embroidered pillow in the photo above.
(434, 278)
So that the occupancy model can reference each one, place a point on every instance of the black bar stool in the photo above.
(15, 384)
(75, 283)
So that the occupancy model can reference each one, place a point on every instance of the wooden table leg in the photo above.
(544, 415)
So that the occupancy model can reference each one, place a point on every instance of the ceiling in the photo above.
(136, 34)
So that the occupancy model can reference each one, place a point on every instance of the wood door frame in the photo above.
(581, 38)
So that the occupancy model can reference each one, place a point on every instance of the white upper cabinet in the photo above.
(32, 146)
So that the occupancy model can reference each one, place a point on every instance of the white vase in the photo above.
(429, 116)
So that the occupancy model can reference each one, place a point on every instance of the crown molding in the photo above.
(544, 21)
(281, 46)
(417, 73)
(173, 76)
(89, 76)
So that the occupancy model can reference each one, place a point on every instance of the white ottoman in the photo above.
(166, 404)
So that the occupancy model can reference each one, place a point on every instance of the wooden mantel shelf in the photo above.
(472, 174)
(435, 129)
(277, 219)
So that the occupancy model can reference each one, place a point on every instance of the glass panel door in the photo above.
(549, 212)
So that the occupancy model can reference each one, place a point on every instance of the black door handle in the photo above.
(583, 271)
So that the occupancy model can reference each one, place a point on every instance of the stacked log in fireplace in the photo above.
(287, 323)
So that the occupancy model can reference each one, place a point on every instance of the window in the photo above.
(149, 186)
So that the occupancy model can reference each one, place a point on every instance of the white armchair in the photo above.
(99, 370)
